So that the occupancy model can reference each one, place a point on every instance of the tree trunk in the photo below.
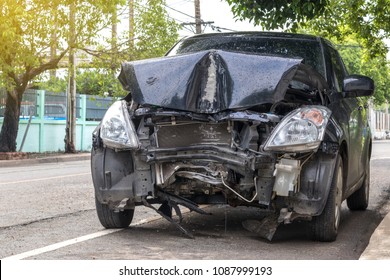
(9, 130)
(131, 24)
(70, 131)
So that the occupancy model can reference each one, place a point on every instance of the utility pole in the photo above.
(70, 135)
(198, 21)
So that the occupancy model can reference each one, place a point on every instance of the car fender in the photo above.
(314, 185)
(112, 175)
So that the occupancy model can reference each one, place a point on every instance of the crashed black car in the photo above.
(265, 120)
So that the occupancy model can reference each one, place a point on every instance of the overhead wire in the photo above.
(169, 16)
(212, 26)
(180, 12)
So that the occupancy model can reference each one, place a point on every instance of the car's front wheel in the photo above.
(110, 218)
(325, 226)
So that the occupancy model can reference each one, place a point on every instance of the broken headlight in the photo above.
(117, 129)
(301, 130)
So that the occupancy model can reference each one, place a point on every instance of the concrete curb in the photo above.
(379, 246)
(54, 159)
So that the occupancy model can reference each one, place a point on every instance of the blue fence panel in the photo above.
(97, 107)
(47, 128)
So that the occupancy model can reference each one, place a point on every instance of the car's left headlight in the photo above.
(117, 130)
(302, 130)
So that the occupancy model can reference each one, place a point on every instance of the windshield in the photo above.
(309, 50)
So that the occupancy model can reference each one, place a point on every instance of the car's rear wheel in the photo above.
(359, 199)
(110, 218)
(325, 226)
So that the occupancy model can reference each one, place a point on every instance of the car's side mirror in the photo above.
(358, 85)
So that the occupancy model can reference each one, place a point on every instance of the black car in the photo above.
(265, 120)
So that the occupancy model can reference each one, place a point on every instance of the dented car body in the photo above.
(265, 120)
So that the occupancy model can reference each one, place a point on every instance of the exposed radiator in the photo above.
(183, 135)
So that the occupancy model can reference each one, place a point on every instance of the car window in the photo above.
(54, 109)
(338, 68)
(309, 50)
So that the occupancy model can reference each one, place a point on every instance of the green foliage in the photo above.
(29, 31)
(278, 14)
(56, 85)
(29, 28)
(154, 34)
(155, 31)
(377, 68)
(25, 34)
(98, 82)
(359, 60)
(358, 28)
(369, 20)
(89, 81)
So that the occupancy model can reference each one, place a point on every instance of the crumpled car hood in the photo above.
(215, 80)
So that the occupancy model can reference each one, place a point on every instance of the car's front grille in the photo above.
(183, 135)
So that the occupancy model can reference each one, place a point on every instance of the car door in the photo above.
(356, 124)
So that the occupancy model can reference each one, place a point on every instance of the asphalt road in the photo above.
(47, 212)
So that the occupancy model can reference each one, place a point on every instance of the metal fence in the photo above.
(380, 125)
(43, 120)
(55, 105)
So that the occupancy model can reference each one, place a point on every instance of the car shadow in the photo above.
(222, 236)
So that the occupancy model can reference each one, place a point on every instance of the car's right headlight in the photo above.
(117, 129)
(302, 130)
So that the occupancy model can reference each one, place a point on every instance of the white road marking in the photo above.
(60, 245)
(73, 241)
(43, 179)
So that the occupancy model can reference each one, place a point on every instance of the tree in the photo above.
(357, 60)
(26, 28)
(23, 56)
(278, 14)
(151, 34)
(155, 32)
(358, 28)
(369, 20)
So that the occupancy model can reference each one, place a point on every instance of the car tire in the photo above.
(325, 226)
(359, 199)
(110, 218)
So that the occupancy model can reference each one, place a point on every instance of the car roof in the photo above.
(264, 34)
